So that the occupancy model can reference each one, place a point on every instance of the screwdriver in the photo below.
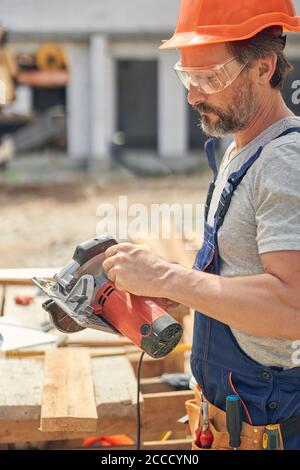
(204, 437)
(234, 420)
(271, 438)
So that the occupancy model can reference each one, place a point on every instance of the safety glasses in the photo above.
(210, 80)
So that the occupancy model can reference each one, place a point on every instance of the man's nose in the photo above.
(195, 95)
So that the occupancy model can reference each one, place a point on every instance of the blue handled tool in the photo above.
(234, 420)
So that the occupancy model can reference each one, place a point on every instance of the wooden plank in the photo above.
(115, 396)
(115, 387)
(23, 276)
(150, 367)
(2, 299)
(68, 401)
(154, 385)
(21, 389)
(28, 430)
(114, 384)
(174, 362)
(171, 444)
(155, 367)
(94, 353)
(161, 412)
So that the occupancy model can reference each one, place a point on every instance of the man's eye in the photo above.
(205, 78)
(212, 79)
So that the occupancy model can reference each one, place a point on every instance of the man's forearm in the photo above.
(260, 305)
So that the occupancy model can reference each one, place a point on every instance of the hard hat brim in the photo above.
(207, 35)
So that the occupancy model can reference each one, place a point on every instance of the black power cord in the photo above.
(138, 404)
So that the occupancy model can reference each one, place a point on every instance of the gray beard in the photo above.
(234, 119)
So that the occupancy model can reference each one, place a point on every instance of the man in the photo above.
(246, 277)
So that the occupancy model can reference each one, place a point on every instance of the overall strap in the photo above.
(289, 131)
(211, 158)
(236, 178)
(209, 147)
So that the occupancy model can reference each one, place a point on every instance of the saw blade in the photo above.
(77, 303)
(50, 288)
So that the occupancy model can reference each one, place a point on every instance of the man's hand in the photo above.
(136, 269)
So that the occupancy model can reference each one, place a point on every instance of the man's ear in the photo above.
(266, 68)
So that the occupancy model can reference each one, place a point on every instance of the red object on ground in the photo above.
(106, 441)
(23, 299)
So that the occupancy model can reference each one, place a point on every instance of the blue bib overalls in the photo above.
(271, 394)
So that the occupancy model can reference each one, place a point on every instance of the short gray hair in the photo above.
(261, 45)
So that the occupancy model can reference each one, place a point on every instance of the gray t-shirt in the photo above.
(264, 216)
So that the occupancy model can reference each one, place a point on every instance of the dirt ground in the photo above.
(41, 223)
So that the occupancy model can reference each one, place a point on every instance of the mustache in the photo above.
(205, 108)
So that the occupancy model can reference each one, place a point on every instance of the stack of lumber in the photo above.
(69, 394)
(86, 384)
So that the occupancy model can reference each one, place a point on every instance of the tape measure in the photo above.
(271, 437)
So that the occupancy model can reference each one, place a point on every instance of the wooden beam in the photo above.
(154, 385)
(172, 444)
(24, 276)
(21, 389)
(172, 363)
(114, 384)
(160, 414)
(28, 430)
(162, 411)
(115, 387)
(150, 367)
(2, 299)
(68, 401)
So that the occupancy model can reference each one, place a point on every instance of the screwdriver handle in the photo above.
(234, 420)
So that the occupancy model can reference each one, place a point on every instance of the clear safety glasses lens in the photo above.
(210, 80)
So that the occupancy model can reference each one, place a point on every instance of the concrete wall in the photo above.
(88, 16)
(96, 33)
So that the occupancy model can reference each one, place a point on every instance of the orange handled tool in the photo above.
(204, 437)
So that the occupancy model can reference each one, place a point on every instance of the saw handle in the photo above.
(91, 248)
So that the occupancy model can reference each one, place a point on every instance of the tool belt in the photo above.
(251, 436)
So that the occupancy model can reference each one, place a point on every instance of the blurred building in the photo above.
(119, 80)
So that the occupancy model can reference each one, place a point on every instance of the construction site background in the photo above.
(93, 111)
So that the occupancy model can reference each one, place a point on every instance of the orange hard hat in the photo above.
(204, 22)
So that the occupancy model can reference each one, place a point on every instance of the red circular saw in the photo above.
(81, 296)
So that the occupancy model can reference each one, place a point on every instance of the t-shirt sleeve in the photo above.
(277, 197)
